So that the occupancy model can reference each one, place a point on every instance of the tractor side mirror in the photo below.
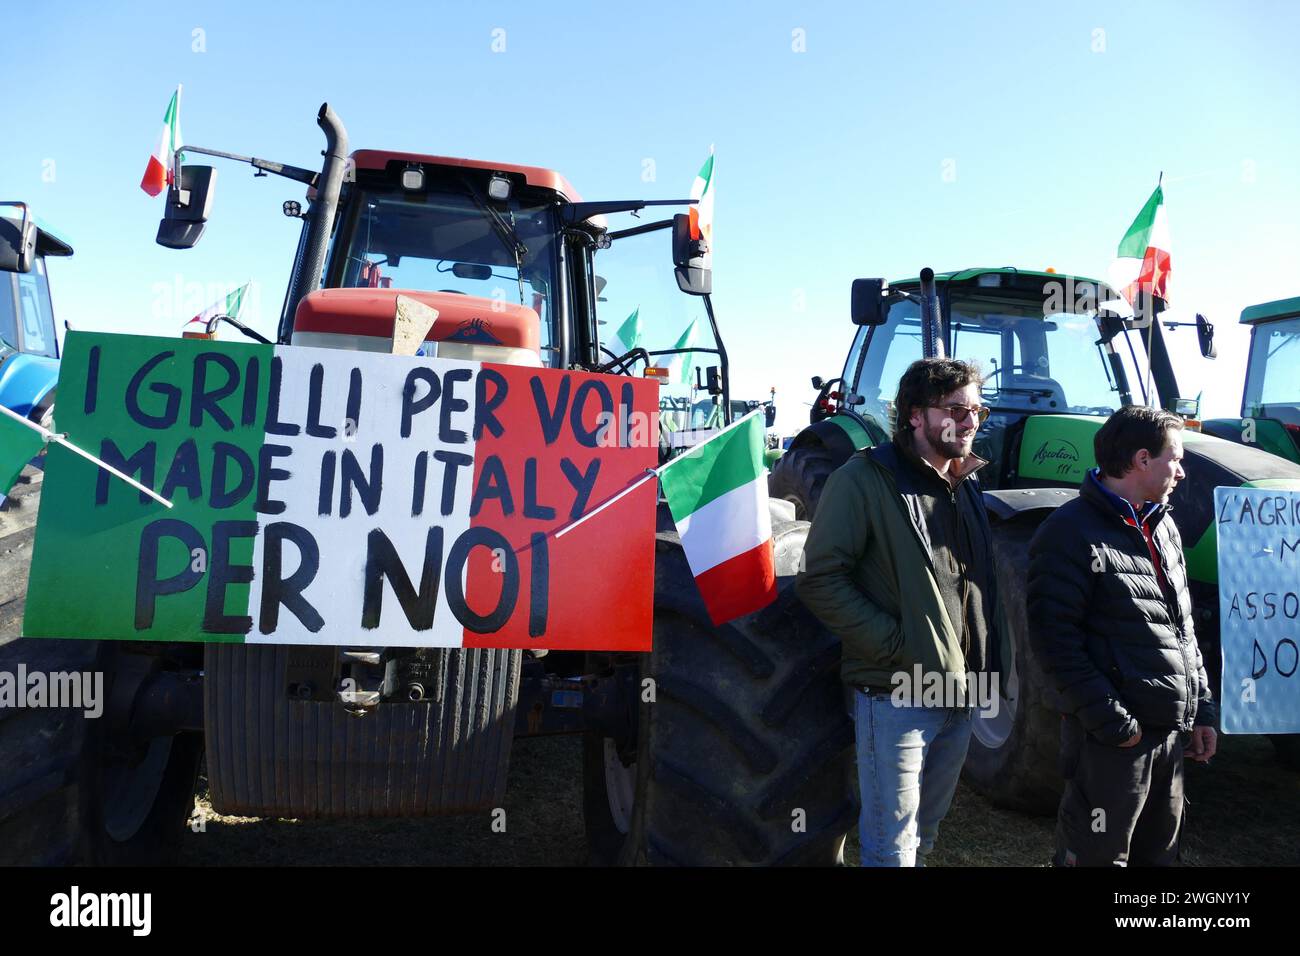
(1205, 336)
(867, 305)
(17, 244)
(187, 209)
(769, 415)
(691, 258)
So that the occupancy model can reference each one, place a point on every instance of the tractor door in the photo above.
(34, 328)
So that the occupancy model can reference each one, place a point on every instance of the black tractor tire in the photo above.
(72, 790)
(745, 754)
(73, 793)
(1288, 750)
(799, 476)
(1014, 756)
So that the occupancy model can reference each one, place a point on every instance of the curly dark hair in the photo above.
(925, 382)
(1126, 431)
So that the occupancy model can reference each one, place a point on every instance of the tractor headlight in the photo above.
(412, 178)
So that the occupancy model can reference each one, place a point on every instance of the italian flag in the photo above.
(230, 305)
(158, 174)
(717, 493)
(702, 212)
(1142, 260)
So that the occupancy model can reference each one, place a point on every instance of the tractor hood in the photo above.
(1057, 450)
(467, 326)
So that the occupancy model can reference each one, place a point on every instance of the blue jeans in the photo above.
(909, 759)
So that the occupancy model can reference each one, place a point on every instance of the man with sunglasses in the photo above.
(899, 564)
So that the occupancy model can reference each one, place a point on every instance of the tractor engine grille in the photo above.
(274, 756)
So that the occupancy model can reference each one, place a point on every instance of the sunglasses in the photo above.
(958, 413)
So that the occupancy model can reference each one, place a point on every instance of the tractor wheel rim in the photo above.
(130, 791)
(993, 727)
(620, 787)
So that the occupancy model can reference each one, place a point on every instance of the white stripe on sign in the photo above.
(727, 526)
(338, 591)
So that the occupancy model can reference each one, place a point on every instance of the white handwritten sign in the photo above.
(1259, 601)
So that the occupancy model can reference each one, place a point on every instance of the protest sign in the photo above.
(343, 498)
(1259, 601)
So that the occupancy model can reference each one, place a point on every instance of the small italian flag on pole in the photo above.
(158, 175)
(702, 212)
(1142, 260)
(231, 305)
(717, 493)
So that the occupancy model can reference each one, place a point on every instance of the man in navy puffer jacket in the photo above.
(1110, 619)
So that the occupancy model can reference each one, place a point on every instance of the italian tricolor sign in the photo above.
(1142, 260)
(717, 493)
(332, 497)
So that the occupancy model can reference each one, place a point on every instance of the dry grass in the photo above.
(1244, 811)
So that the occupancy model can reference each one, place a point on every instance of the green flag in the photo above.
(18, 445)
(629, 333)
(681, 364)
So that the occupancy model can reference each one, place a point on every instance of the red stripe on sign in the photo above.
(739, 585)
(593, 588)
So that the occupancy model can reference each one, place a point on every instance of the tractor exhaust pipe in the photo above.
(306, 277)
(931, 322)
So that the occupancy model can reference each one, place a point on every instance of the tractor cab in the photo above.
(481, 243)
(29, 343)
(1270, 401)
(1272, 386)
(1047, 344)
(504, 253)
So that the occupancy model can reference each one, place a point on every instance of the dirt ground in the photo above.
(1244, 810)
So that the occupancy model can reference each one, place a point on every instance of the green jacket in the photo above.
(868, 576)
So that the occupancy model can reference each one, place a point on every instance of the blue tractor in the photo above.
(29, 345)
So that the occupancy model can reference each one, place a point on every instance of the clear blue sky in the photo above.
(941, 134)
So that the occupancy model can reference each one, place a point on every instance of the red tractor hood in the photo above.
(461, 318)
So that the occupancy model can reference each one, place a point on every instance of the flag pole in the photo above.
(1150, 302)
(58, 439)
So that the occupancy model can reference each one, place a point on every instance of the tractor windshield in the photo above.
(1272, 385)
(30, 328)
(1031, 362)
(450, 242)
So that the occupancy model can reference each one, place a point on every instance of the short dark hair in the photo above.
(1128, 430)
(925, 382)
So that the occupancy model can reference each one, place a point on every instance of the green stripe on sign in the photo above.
(708, 472)
(18, 445)
(141, 417)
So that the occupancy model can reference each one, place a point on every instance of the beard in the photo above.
(958, 448)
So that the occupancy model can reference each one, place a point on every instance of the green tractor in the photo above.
(1270, 402)
(1058, 356)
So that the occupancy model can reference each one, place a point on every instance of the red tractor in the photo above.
(722, 746)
